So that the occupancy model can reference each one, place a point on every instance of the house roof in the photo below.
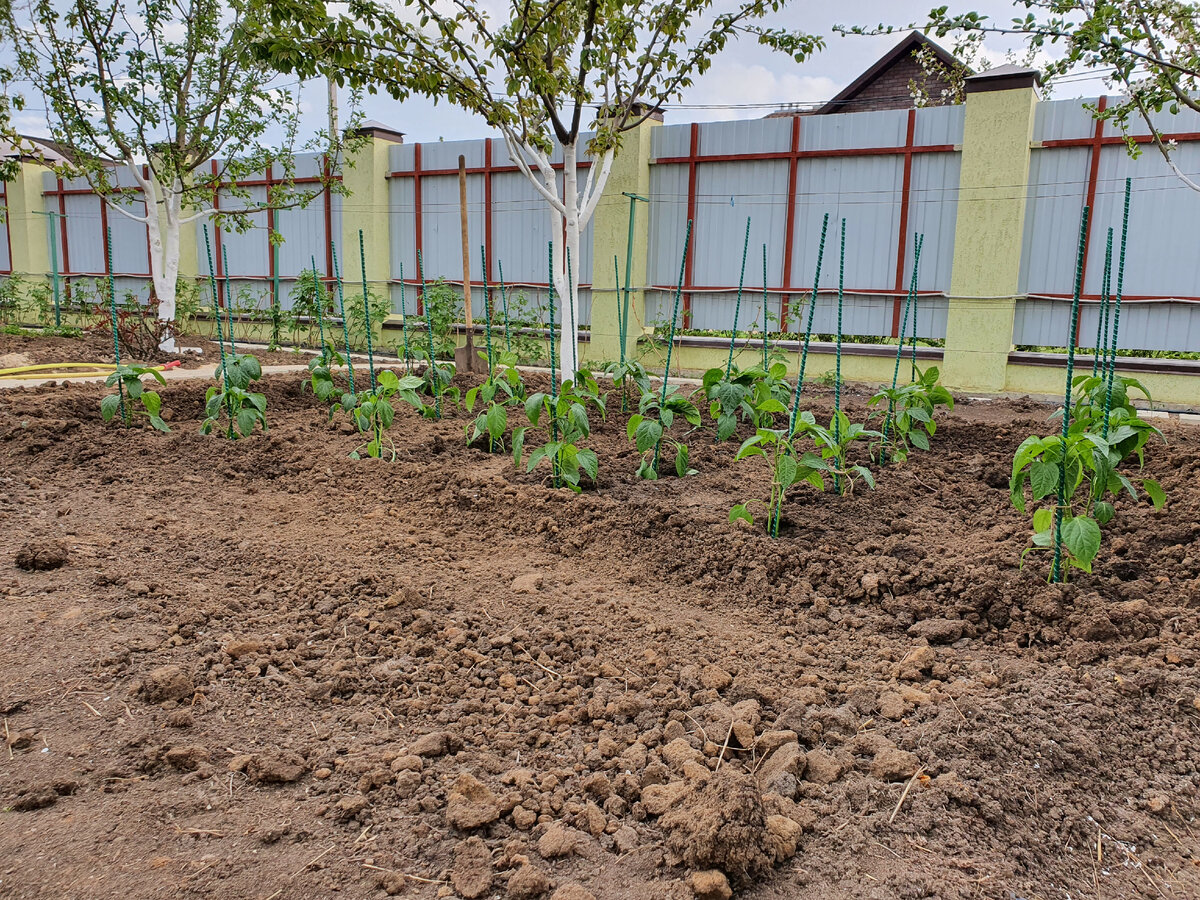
(375, 128)
(36, 148)
(911, 44)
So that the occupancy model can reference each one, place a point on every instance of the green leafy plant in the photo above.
(791, 464)
(436, 381)
(374, 412)
(128, 381)
(321, 381)
(564, 420)
(1091, 478)
(503, 389)
(356, 317)
(311, 301)
(909, 419)
(1087, 413)
(622, 373)
(231, 394)
(738, 395)
(651, 425)
(440, 304)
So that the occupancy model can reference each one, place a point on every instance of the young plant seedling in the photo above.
(564, 419)
(374, 412)
(128, 380)
(1125, 430)
(321, 382)
(739, 393)
(436, 382)
(1091, 478)
(833, 444)
(503, 389)
(651, 425)
(629, 371)
(232, 396)
(909, 420)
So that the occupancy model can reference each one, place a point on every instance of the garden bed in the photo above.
(267, 670)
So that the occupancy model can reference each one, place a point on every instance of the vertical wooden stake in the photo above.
(464, 357)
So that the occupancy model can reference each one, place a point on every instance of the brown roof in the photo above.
(911, 44)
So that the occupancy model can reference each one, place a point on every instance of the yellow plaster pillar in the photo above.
(610, 236)
(1000, 108)
(28, 231)
(365, 207)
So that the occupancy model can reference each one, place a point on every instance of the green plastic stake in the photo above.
(1101, 350)
(504, 303)
(433, 369)
(766, 321)
(362, 263)
(738, 306)
(320, 288)
(634, 199)
(1056, 573)
(1112, 356)
(275, 295)
(812, 307)
(337, 275)
(687, 239)
(918, 243)
(212, 286)
(112, 299)
(553, 374)
(837, 377)
(228, 301)
(487, 311)
(404, 324)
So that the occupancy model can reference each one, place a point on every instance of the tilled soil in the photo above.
(94, 346)
(263, 670)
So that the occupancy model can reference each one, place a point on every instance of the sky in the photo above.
(746, 73)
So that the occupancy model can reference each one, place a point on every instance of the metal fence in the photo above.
(507, 219)
(889, 174)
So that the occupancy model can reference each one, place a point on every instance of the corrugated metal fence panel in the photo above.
(936, 125)
(131, 254)
(5, 250)
(1059, 120)
(668, 220)
(1162, 258)
(670, 140)
(744, 136)
(1144, 325)
(85, 237)
(304, 238)
(245, 251)
(520, 229)
(933, 211)
(441, 228)
(852, 131)
(401, 222)
(728, 193)
(1057, 190)
(867, 192)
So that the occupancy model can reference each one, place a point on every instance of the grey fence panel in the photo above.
(728, 193)
(444, 154)
(867, 191)
(246, 251)
(304, 237)
(520, 230)
(937, 125)
(1162, 258)
(1058, 120)
(441, 228)
(668, 219)
(1145, 325)
(670, 140)
(933, 211)
(5, 251)
(85, 236)
(1054, 206)
(850, 131)
(744, 136)
(130, 252)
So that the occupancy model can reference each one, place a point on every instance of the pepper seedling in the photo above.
(128, 380)
(651, 425)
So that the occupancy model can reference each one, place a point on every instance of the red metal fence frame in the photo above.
(487, 170)
(7, 230)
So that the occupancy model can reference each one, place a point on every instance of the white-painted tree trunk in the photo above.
(569, 217)
(163, 227)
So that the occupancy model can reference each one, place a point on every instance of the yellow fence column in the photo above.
(28, 230)
(610, 237)
(365, 207)
(991, 220)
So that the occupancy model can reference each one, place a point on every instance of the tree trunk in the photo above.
(162, 232)
(570, 294)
